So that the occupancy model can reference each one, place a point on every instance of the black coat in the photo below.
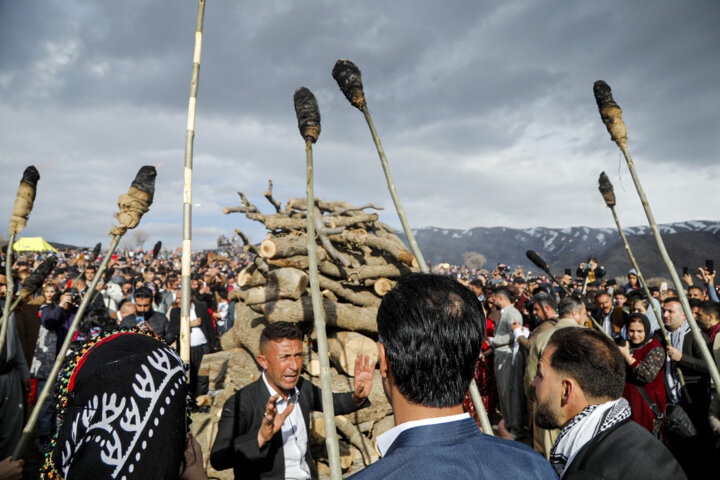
(236, 444)
(207, 326)
(625, 450)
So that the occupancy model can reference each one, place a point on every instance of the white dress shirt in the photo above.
(294, 436)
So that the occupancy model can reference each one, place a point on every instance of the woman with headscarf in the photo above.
(123, 412)
(645, 359)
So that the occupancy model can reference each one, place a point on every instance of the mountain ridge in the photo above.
(689, 243)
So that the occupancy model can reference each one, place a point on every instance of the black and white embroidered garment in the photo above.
(122, 407)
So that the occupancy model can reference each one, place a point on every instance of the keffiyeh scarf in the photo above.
(677, 339)
(583, 427)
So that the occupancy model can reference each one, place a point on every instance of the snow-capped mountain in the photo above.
(689, 243)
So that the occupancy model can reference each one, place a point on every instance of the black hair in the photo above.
(544, 299)
(431, 327)
(503, 292)
(711, 308)
(143, 292)
(280, 331)
(568, 305)
(591, 359)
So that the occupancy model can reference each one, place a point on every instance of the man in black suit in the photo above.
(578, 387)
(685, 353)
(261, 435)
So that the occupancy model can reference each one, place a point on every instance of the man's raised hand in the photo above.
(272, 420)
(363, 378)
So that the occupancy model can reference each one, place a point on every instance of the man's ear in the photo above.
(568, 390)
(262, 361)
(383, 361)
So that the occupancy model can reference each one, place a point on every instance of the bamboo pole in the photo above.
(349, 79)
(606, 189)
(187, 191)
(611, 115)
(308, 115)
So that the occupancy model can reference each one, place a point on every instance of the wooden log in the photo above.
(301, 262)
(317, 440)
(358, 440)
(246, 330)
(360, 237)
(359, 298)
(350, 433)
(383, 425)
(322, 234)
(281, 283)
(229, 370)
(251, 277)
(344, 347)
(364, 272)
(382, 285)
(379, 406)
(282, 222)
(339, 315)
(287, 246)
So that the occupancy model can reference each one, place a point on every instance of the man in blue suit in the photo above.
(430, 330)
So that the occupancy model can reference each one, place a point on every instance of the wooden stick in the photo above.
(187, 191)
(271, 199)
(43, 396)
(611, 115)
(10, 288)
(24, 201)
(606, 190)
(356, 96)
(309, 122)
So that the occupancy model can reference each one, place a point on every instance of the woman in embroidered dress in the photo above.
(645, 359)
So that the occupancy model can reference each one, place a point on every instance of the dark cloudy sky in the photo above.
(485, 109)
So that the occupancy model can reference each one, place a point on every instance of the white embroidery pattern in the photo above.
(102, 418)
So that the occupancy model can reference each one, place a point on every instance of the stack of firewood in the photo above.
(359, 260)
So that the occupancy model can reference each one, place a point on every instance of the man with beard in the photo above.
(578, 387)
(572, 314)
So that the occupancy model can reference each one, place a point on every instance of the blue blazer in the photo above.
(456, 450)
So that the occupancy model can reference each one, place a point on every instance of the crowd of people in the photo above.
(560, 367)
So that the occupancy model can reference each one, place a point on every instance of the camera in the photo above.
(74, 296)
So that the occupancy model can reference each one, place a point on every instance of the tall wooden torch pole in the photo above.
(349, 79)
(608, 194)
(611, 115)
(187, 191)
(308, 115)
(18, 219)
(132, 205)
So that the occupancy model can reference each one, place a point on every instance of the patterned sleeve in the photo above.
(646, 370)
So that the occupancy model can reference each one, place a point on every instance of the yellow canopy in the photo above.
(33, 244)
